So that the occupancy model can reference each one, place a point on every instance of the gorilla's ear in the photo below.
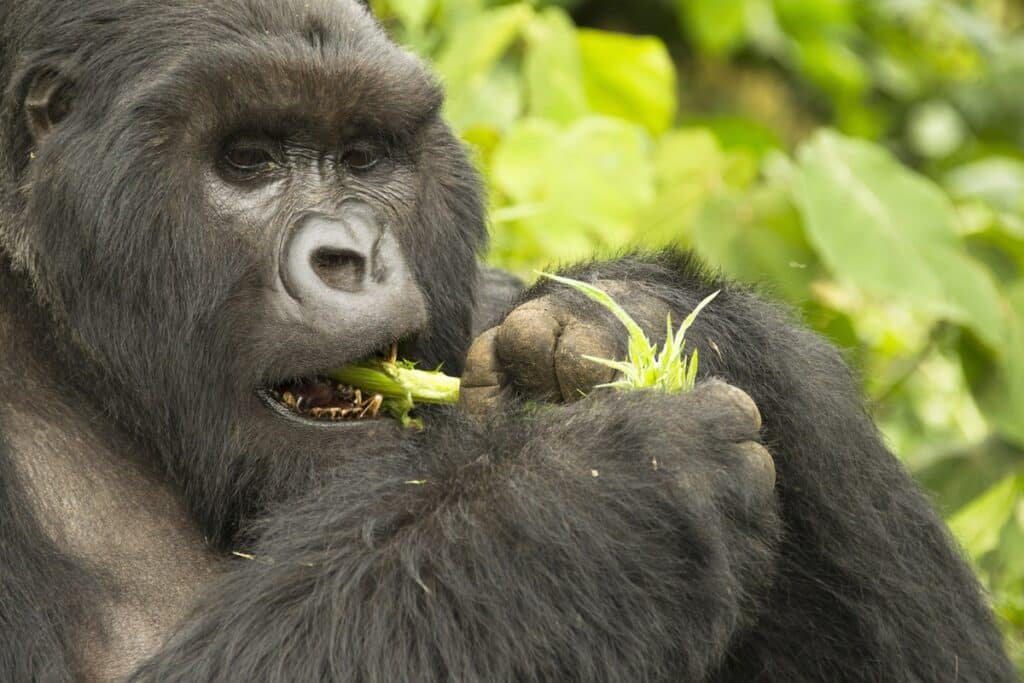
(47, 102)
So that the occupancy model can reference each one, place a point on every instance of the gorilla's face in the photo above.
(224, 201)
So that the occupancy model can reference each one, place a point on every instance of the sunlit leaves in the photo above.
(553, 68)
(629, 77)
(468, 64)
(758, 237)
(571, 189)
(997, 377)
(979, 524)
(888, 230)
(717, 26)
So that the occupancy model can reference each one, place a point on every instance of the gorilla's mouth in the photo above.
(321, 399)
(324, 400)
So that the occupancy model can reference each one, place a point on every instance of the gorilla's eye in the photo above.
(245, 159)
(360, 159)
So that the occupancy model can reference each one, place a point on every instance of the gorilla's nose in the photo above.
(344, 268)
(327, 253)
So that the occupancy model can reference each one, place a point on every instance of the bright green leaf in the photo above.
(525, 160)
(585, 186)
(882, 227)
(997, 378)
(979, 524)
(718, 27)
(629, 77)
(412, 13)
(999, 181)
(833, 67)
(554, 69)
(757, 237)
(472, 53)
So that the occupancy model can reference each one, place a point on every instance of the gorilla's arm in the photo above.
(492, 552)
(870, 586)
(623, 538)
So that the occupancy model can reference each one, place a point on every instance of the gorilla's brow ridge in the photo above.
(345, 95)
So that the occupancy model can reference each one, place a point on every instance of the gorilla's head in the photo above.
(206, 199)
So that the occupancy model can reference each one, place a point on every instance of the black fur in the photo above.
(617, 539)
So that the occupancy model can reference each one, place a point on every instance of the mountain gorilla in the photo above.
(209, 202)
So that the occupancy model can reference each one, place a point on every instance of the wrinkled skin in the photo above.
(203, 200)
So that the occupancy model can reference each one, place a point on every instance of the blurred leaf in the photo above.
(1009, 561)
(833, 66)
(757, 237)
(956, 475)
(997, 243)
(717, 26)
(997, 378)
(467, 63)
(554, 69)
(496, 103)
(740, 133)
(584, 186)
(979, 524)
(413, 13)
(884, 228)
(805, 17)
(629, 77)
(690, 167)
(525, 158)
(999, 181)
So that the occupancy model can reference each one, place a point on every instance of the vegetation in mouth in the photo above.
(368, 389)
(399, 385)
(327, 400)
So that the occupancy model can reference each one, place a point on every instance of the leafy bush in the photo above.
(864, 160)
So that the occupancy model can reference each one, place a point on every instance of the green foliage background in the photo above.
(862, 159)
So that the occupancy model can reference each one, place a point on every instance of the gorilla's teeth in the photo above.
(327, 400)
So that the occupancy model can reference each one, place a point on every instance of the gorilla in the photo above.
(205, 202)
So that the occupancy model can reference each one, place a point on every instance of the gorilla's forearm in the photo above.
(585, 544)
(869, 580)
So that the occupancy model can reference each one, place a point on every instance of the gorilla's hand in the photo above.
(538, 351)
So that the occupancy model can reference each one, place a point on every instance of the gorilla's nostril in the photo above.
(341, 269)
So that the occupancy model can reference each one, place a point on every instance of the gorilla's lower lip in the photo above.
(282, 410)
(317, 399)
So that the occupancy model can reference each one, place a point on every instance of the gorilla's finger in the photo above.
(730, 411)
(576, 374)
(526, 345)
(480, 401)
(758, 466)
(480, 392)
(483, 369)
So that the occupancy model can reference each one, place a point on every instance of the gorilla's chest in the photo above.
(121, 522)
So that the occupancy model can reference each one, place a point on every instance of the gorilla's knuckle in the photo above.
(730, 407)
(480, 401)
(757, 465)
(482, 366)
(527, 329)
